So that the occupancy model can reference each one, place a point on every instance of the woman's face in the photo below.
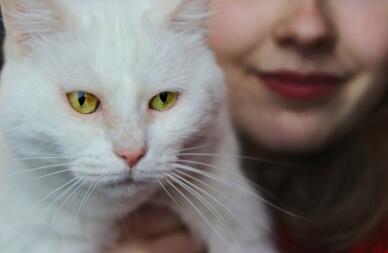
(301, 72)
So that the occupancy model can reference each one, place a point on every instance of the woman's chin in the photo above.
(291, 136)
(293, 145)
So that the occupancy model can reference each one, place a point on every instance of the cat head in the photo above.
(116, 87)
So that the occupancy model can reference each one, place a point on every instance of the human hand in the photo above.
(156, 230)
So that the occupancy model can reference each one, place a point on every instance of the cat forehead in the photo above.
(156, 11)
(118, 34)
(141, 50)
(136, 61)
(108, 47)
(122, 26)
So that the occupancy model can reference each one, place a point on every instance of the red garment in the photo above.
(378, 243)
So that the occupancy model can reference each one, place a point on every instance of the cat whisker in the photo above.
(84, 200)
(35, 169)
(247, 180)
(48, 196)
(223, 195)
(44, 210)
(250, 182)
(34, 179)
(45, 176)
(230, 183)
(70, 196)
(195, 147)
(75, 185)
(229, 211)
(244, 157)
(46, 157)
(195, 207)
(224, 207)
(36, 205)
(195, 191)
(168, 193)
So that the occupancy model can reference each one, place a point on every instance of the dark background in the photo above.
(1, 41)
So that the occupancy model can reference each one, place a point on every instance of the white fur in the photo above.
(124, 52)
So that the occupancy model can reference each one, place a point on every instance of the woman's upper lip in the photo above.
(297, 86)
(309, 78)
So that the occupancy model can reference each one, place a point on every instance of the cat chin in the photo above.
(128, 191)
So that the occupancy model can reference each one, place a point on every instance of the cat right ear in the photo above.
(27, 21)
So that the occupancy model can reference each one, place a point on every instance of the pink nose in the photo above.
(132, 157)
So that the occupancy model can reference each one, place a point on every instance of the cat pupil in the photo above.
(81, 98)
(163, 97)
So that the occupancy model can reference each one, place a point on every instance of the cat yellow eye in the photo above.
(83, 102)
(163, 101)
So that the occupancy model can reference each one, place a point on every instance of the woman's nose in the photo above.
(306, 26)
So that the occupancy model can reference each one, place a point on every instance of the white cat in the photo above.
(107, 105)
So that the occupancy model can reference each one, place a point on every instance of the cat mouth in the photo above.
(117, 181)
(124, 182)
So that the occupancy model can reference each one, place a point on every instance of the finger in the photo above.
(174, 243)
(152, 222)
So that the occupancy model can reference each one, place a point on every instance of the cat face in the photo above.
(112, 88)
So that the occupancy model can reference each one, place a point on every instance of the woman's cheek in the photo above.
(364, 31)
(228, 31)
(237, 27)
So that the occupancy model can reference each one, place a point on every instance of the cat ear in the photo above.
(187, 16)
(28, 20)
(190, 16)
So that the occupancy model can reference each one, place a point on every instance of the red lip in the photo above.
(301, 87)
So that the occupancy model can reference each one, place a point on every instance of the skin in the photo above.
(347, 37)
(155, 229)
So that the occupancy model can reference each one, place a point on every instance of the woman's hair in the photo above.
(339, 195)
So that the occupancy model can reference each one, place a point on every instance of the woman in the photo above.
(308, 80)
(307, 85)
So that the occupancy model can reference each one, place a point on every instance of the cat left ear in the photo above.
(190, 16)
(27, 20)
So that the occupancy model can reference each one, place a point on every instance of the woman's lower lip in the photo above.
(300, 87)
